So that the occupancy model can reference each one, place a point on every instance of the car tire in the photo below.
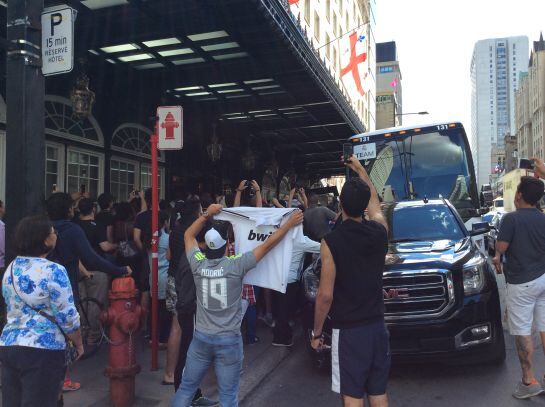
(498, 353)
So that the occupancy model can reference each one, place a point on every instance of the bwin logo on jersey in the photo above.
(260, 237)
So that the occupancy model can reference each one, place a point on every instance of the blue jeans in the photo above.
(226, 353)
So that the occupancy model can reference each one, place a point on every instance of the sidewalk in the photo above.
(259, 360)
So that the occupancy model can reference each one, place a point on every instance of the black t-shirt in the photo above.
(94, 233)
(143, 222)
(359, 251)
(104, 219)
(317, 222)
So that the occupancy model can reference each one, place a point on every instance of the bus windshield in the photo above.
(419, 165)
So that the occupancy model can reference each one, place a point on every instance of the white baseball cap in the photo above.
(213, 240)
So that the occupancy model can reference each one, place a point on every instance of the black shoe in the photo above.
(252, 340)
(204, 402)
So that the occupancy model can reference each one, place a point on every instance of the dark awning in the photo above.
(244, 64)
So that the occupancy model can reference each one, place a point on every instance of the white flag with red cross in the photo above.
(355, 62)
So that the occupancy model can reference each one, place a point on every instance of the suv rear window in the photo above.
(426, 222)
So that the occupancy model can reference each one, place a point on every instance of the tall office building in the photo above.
(531, 105)
(495, 69)
(389, 90)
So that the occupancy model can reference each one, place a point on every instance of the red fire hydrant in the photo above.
(124, 317)
(170, 124)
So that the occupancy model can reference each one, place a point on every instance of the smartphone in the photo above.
(348, 151)
(82, 190)
(526, 164)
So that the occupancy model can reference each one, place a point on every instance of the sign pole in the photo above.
(168, 135)
(154, 249)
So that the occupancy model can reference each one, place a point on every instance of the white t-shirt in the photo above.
(252, 226)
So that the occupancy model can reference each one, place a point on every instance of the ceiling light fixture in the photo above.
(207, 36)
(162, 42)
(135, 57)
(119, 48)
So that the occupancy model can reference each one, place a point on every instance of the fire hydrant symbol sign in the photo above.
(58, 40)
(170, 127)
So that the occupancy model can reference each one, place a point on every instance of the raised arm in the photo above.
(295, 219)
(241, 187)
(143, 203)
(539, 167)
(373, 209)
(290, 197)
(304, 199)
(258, 197)
(277, 203)
(190, 235)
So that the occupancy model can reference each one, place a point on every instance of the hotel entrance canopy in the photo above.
(242, 64)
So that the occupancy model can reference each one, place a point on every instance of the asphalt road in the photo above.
(296, 383)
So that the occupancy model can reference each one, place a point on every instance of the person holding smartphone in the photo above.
(350, 292)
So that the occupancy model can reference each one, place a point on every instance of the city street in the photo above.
(272, 378)
(411, 385)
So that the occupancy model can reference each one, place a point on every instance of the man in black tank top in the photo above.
(351, 293)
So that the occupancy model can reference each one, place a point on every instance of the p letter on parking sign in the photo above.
(58, 40)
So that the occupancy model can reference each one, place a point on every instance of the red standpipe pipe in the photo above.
(154, 249)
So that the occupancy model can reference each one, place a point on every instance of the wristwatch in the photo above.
(205, 214)
(314, 337)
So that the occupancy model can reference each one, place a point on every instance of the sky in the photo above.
(435, 40)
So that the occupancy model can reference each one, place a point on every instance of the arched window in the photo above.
(127, 174)
(61, 122)
(134, 139)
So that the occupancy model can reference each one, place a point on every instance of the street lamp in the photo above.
(406, 114)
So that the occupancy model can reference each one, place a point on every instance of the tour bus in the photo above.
(422, 162)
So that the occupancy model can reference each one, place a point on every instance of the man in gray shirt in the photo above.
(522, 239)
(318, 220)
(218, 280)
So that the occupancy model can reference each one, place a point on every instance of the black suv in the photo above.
(440, 293)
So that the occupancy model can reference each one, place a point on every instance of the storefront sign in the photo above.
(170, 127)
(58, 40)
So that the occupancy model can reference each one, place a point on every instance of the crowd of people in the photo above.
(78, 246)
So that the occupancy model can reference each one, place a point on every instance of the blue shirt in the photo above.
(44, 285)
(73, 246)
(163, 266)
